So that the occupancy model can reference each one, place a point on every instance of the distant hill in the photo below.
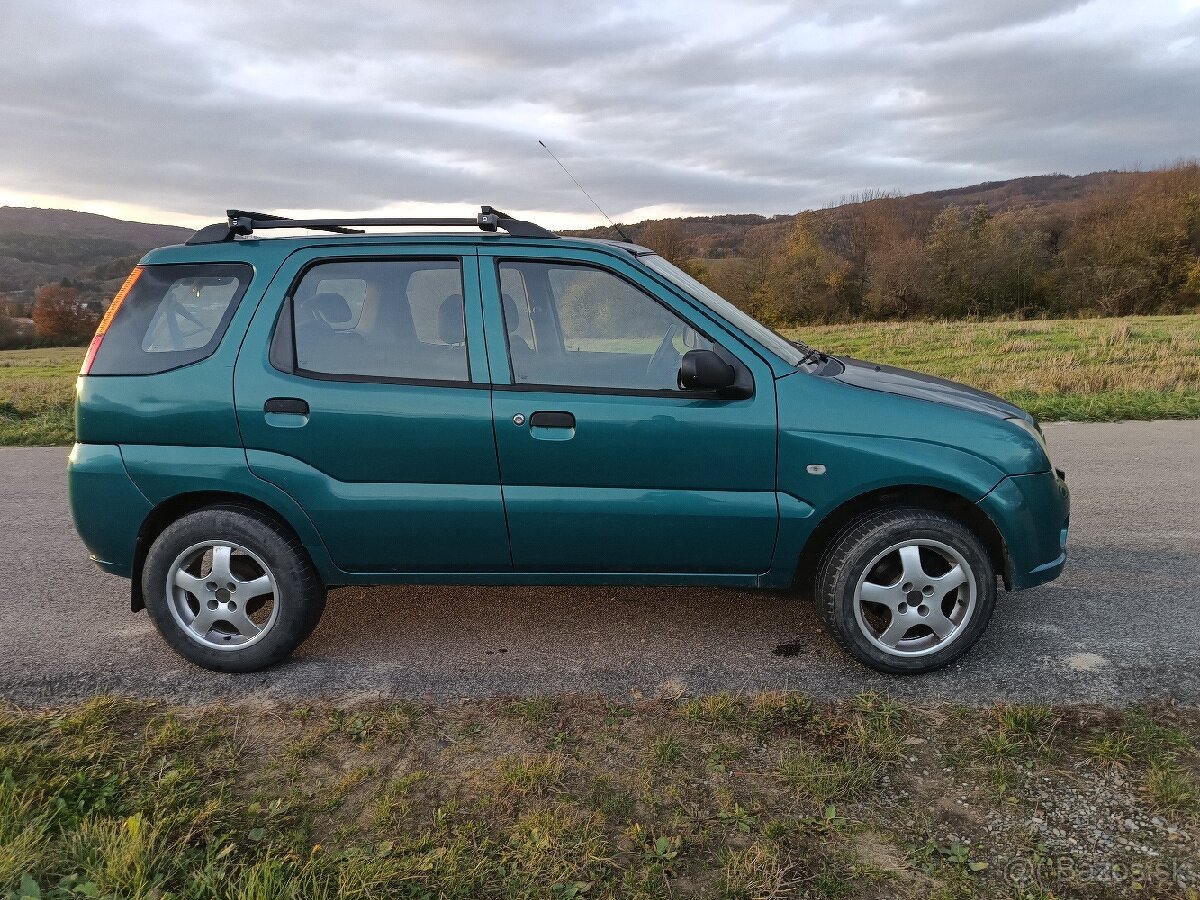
(1032, 190)
(716, 237)
(38, 246)
(141, 235)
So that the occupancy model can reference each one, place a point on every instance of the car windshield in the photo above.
(773, 341)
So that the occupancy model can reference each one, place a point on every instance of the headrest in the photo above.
(452, 328)
(512, 319)
(331, 307)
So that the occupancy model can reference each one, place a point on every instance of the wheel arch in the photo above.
(174, 508)
(924, 496)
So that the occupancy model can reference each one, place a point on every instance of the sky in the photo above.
(172, 111)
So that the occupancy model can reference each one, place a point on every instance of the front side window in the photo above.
(582, 326)
(381, 319)
(772, 340)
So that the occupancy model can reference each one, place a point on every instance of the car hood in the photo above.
(890, 380)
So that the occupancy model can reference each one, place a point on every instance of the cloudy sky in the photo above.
(172, 111)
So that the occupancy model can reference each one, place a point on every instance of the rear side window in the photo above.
(173, 316)
(379, 320)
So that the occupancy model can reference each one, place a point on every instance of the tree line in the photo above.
(1128, 247)
(60, 317)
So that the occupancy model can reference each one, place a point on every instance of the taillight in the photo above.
(110, 313)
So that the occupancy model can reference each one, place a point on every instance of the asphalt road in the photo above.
(1122, 624)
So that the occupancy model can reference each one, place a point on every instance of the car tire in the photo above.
(231, 590)
(906, 590)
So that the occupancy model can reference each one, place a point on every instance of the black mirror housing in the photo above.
(704, 370)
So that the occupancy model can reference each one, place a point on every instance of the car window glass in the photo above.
(382, 319)
(516, 304)
(427, 291)
(353, 290)
(188, 314)
(776, 343)
(576, 325)
(172, 316)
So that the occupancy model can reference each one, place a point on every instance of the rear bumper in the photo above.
(1033, 513)
(107, 506)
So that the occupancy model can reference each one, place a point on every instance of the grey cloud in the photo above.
(189, 107)
(950, 19)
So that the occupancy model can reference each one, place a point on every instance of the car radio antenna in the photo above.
(615, 226)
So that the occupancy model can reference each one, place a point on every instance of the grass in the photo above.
(37, 395)
(1089, 370)
(726, 797)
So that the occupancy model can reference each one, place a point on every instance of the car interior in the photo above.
(390, 319)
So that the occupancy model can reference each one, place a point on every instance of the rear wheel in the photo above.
(906, 590)
(230, 590)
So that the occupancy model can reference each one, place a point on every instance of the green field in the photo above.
(1085, 370)
(36, 395)
(713, 797)
(1089, 370)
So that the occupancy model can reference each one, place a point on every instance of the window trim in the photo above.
(666, 393)
(661, 393)
(284, 341)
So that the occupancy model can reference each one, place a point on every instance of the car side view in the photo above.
(260, 419)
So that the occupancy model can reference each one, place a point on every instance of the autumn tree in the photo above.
(948, 250)
(59, 316)
(1134, 253)
(1011, 258)
(664, 238)
(806, 281)
(863, 229)
(893, 280)
(899, 282)
(743, 280)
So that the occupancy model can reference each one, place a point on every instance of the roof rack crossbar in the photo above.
(245, 223)
(240, 219)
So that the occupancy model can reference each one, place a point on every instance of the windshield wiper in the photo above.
(811, 354)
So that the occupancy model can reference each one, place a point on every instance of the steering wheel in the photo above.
(662, 355)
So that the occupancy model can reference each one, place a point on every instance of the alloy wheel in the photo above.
(222, 595)
(915, 597)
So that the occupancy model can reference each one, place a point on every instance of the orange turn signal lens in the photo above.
(109, 315)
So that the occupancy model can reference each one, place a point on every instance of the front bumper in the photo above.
(1033, 513)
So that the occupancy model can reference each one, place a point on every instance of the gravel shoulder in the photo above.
(1118, 627)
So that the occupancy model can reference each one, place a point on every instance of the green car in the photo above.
(260, 419)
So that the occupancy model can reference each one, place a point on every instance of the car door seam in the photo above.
(492, 408)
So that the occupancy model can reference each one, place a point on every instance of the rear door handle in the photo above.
(293, 405)
(552, 420)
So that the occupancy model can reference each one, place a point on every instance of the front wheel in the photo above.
(906, 590)
(230, 590)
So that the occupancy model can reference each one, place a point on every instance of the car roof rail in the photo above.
(242, 223)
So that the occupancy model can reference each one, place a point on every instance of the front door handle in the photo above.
(552, 420)
(293, 405)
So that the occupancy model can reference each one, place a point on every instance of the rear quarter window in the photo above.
(173, 316)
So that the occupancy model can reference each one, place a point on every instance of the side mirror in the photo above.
(703, 370)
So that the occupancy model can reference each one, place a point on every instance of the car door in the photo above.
(607, 465)
(362, 391)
